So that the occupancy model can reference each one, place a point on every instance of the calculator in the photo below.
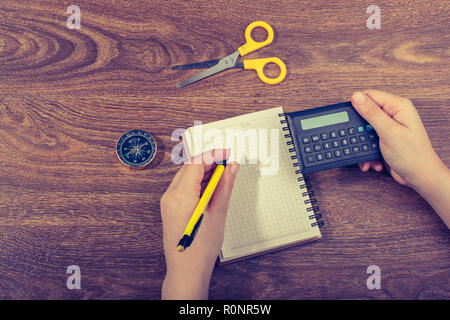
(331, 136)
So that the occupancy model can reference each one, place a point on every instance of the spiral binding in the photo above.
(305, 185)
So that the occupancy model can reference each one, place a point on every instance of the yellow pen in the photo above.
(197, 216)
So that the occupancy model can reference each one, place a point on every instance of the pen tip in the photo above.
(180, 248)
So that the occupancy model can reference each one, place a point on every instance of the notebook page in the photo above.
(266, 209)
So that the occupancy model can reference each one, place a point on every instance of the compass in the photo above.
(136, 149)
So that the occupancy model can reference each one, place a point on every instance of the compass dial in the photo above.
(136, 148)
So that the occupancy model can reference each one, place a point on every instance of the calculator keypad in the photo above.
(347, 151)
(338, 144)
(344, 142)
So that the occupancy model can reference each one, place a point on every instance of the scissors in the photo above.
(229, 62)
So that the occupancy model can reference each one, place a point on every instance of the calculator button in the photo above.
(319, 157)
(369, 128)
(315, 138)
(355, 149)
(346, 151)
(333, 134)
(344, 142)
(328, 155)
(371, 136)
(342, 132)
(306, 140)
(310, 158)
(360, 129)
(337, 153)
(363, 138)
(308, 149)
(351, 130)
(326, 145)
(374, 145)
(324, 136)
(335, 143)
(365, 147)
(317, 147)
(353, 140)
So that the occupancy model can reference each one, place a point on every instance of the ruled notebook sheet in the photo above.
(266, 210)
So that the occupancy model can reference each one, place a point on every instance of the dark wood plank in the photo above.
(66, 96)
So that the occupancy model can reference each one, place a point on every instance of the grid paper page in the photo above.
(266, 210)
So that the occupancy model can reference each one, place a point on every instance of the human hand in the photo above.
(188, 273)
(406, 148)
(404, 143)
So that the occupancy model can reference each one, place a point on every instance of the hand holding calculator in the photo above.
(332, 136)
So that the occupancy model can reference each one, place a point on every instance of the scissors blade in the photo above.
(197, 65)
(223, 64)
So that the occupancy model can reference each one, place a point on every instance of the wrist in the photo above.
(433, 176)
(186, 283)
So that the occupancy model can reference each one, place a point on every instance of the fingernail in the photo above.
(234, 168)
(358, 98)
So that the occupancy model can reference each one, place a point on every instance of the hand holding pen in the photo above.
(194, 266)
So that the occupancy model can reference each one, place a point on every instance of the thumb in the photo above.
(372, 112)
(222, 194)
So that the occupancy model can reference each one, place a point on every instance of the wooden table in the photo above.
(66, 96)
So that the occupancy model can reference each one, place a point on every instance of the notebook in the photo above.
(270, 206)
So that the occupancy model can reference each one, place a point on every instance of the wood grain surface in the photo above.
(66, 96)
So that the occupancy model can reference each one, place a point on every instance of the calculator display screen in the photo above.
(325, 120)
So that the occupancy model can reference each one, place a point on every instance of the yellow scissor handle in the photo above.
(252, 45)
(258, 65)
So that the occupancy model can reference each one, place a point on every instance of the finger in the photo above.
(194, 172)
(399, 108)
(372, 112)
(212, 157)
(364, 166)
(390, 103)
(376, 165)
(222, 194)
